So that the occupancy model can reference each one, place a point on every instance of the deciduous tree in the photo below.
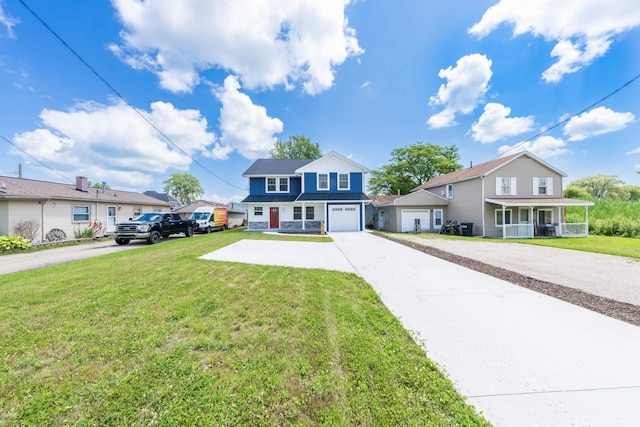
(297, 147)
(413, 165)
(184, 187)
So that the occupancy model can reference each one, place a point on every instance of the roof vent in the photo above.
(4, 186)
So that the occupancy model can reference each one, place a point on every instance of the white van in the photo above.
(210, 219)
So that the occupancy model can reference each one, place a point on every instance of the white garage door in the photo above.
(344, 218)
(409, 218)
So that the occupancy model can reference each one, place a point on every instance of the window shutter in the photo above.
(514, 186)
(535, 186)
(498, 186)
(550, 186)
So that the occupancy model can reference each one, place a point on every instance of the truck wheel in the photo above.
(154, 237)
(208, 229)
(225, 227)
(189, 232)
(122, 241)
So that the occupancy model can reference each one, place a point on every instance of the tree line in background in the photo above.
(616, 210)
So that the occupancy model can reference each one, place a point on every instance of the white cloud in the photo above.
(114, 144)
(634, 151)
(544, 147)
(264, 42)
(598, 121)
(465, 88)
(582, 29)
(494, 124)
(8, 22)
(245, 127)
(224, 199)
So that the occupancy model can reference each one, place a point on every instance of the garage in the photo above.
(409, 217)
(344, 218)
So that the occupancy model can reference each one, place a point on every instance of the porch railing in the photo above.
(518, 231)
(525, 231)
(574, 230)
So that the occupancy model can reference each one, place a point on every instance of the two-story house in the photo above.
(515, 196)
(290, 195)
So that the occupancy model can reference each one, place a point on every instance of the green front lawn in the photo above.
(156, 336)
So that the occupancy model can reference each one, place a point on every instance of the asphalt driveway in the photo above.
(522, 358)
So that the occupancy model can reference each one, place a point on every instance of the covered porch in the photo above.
(538, 218)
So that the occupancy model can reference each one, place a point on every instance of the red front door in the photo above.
(274, 218)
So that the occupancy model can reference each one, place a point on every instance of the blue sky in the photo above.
(215, 84)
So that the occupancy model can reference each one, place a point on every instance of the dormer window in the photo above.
(323, 181)
(278, 184)
(343, 181)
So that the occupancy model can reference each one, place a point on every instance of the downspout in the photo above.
(483, 208)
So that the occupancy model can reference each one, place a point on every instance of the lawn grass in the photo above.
(620, 246)
(157, 336)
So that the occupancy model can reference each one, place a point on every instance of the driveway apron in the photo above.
(521, 358)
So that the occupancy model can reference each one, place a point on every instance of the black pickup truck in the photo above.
(153, 226)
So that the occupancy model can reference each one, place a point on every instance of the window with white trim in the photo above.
(506, 186)
(297, 212)
(343, 181)
(257, 210)
(80, 213)
(278, 184)
(543, 186)
(545, 216)
(449, 191)
(323, 181)
(310, 213)
(499, 219)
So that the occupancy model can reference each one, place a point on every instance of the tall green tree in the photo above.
(599, 186)
(413, 165)
(296, 147)
(184, 187)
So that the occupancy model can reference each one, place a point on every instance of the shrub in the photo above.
(27, 229)
(9, 243)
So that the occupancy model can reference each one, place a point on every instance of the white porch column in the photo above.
(586, 220)
(304, 215)
(531, 222)
(504, 223)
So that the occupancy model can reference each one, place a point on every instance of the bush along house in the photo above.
(515, 196)
(305, 195)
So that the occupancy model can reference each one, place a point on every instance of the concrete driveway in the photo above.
(522, 358)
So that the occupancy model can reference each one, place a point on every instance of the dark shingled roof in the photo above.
(270, 199)
(264, 167)
(332, 197)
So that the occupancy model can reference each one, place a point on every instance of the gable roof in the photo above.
(480, 170)
(264, 167)
(22, 188)
(162, 196)
(419, 197)
(311, 164)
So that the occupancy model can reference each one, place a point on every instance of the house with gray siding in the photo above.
(515, 196)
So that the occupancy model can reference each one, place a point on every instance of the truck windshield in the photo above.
(148, 217)
(200, 215)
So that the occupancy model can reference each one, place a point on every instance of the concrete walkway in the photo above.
(522, 358)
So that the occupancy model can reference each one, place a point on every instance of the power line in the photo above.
(575, 115)
(119, 95)
(51, 169)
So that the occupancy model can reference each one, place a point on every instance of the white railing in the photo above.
(574, 230)
(518, 231)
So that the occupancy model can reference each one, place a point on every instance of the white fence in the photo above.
(518, 231)
(575, 230)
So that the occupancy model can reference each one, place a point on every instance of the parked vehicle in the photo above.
(152, 226)
(210, 219)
